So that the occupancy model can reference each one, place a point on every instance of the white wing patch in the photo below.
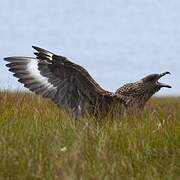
(32, 68)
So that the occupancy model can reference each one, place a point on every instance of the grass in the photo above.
(39, 141)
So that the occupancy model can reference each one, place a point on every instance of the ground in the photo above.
(40, 141)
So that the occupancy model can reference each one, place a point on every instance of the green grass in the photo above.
(39, 141)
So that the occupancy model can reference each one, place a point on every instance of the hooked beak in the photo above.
(163, 84)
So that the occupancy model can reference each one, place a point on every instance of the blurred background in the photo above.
(117, 41)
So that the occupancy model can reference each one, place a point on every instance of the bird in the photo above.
(73, 89)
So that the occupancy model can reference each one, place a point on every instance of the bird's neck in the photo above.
(138, 101)
(134, 98)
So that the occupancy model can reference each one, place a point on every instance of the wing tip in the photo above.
(13, 59)
(41, 50)
(10, 59)
(8, 65)
(7, 59)
(35, 47)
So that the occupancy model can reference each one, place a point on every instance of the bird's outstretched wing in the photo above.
(67, 84)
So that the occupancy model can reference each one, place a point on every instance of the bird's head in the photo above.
(139, 92)
(151, 82)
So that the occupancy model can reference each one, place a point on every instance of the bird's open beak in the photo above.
(163, 84)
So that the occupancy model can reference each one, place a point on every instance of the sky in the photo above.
(117, 41)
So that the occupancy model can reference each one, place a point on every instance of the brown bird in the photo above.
(70, 86)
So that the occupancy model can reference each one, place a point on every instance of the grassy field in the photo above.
(39, 141)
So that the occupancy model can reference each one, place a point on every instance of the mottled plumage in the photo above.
(70, 86)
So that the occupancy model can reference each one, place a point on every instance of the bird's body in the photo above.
(70, 86)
